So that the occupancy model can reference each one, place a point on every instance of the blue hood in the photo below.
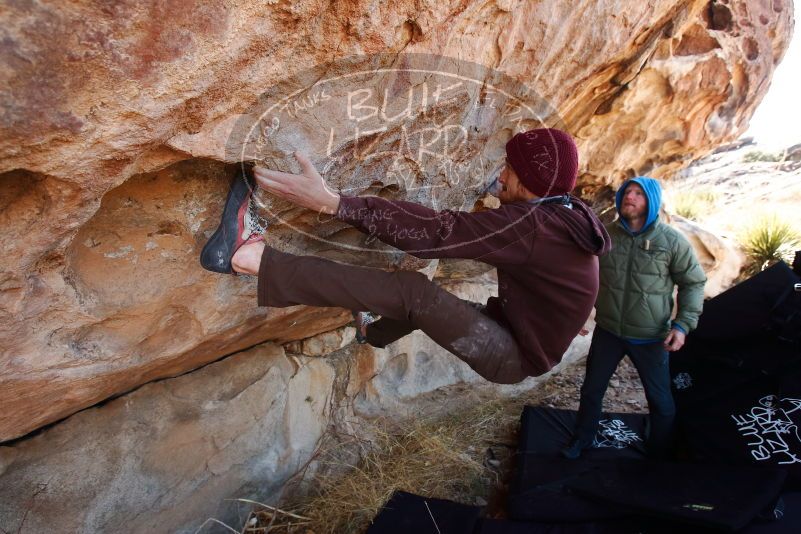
(653, 192)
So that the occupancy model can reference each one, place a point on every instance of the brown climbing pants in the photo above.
(406, 301)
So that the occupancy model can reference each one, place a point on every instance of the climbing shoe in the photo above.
(239, 224)
(573, 450)
(363, 319)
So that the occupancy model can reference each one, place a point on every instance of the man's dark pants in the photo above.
(406, 300)
(651, 361)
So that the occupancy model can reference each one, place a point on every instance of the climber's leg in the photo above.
(385, 331)
(404, 296)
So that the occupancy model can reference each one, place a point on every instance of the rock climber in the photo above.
(543, 241)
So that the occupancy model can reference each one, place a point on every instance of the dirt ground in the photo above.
(625, 393)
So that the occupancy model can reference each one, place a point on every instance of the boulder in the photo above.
(721, 259)
(323, 344)
(165, 457)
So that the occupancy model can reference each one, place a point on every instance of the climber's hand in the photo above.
(307, 190)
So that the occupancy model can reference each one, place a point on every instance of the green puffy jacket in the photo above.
(635, 299)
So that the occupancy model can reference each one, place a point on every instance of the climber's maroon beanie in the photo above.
(545, 160)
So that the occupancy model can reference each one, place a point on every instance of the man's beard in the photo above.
(630, 212)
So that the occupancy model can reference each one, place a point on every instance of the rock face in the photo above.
(159, 459)
(700, 74)
(116, 136)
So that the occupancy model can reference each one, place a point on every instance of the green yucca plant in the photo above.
(769, 239)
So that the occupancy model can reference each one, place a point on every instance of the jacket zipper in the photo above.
(626, 286)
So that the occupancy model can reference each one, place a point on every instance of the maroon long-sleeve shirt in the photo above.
(545, 254)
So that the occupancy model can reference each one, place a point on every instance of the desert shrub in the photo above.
(694, 204)
(768, 239)
(759, 155)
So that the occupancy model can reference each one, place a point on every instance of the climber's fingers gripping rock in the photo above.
(307, 190)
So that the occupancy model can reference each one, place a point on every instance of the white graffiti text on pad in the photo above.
(771, 432)
(613, 433)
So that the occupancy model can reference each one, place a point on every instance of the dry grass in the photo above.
(442, 458)
(694, 204)
(439, 458)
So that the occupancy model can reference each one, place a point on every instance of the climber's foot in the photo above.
(363, 319)
(247, 258)
(239, 225)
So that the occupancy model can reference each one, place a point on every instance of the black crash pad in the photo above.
(406, 513)
(719, 496)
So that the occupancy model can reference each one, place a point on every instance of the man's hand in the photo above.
(307, 190)
(675, 340)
